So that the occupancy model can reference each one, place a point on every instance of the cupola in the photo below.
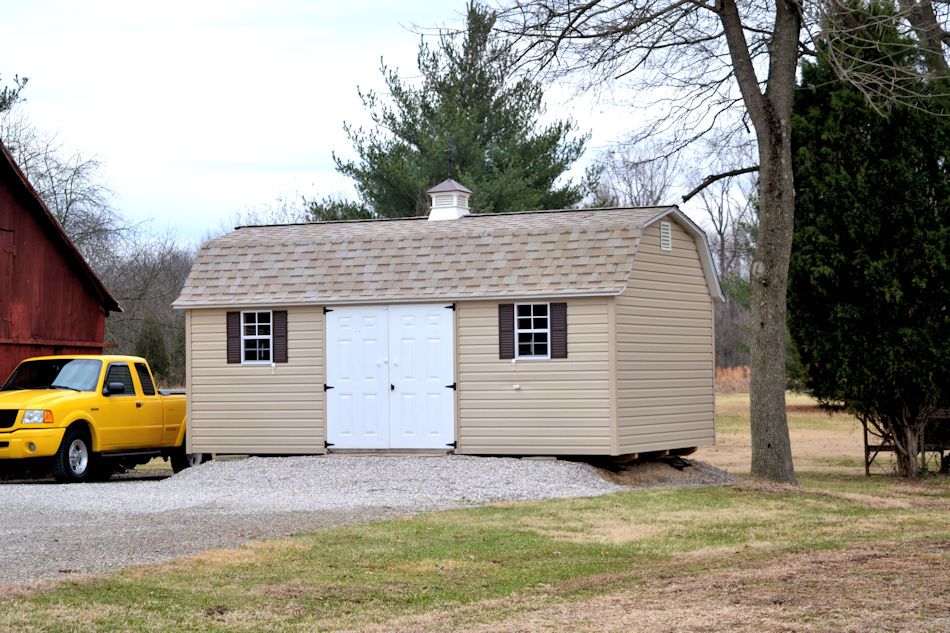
(449, 201)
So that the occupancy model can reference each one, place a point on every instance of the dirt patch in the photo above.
(673, 471)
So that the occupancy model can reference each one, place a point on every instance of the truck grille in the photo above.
(8, 417)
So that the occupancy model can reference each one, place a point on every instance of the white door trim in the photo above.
(390, 371)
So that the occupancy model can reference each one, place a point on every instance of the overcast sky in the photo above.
(202, 108)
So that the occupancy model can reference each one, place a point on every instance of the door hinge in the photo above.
(392, 387)
(453, 386)
(450, 307)
(453, 444)
(326, 387)
(328, 444)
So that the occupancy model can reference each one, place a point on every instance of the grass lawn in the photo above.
(841, 553)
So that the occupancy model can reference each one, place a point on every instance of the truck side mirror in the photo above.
(114, 389)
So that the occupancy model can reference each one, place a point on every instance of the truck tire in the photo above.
(74, 461)
(181, 460)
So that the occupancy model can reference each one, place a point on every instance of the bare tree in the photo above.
(284, 210)
(722, 65)
(145, 275)
(71, 185)
(729, 206)
(634, 175)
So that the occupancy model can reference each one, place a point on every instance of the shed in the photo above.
(580, 332)
(51, 302)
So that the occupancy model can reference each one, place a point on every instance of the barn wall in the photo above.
(44, 307)
(563, 405)
(664, 349)
(252, 408)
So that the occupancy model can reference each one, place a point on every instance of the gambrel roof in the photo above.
(537, 254)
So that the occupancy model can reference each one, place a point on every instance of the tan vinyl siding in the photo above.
(256, 408)
(664, 353)
(563, 405)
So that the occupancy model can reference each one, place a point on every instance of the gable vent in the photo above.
(666, 236)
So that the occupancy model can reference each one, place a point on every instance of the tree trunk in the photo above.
(771, 447)
(907, 447)
(923, 19)
(771, 115)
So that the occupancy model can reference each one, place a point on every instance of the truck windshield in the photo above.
(79, 374)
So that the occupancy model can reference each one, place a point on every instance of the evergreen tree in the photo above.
(177, 357)
(869, 280)
(150, 345)
(10, 95)
(468, 113)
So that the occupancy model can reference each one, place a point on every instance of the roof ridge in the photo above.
(465, 218)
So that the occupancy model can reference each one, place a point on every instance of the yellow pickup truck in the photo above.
(92, 415)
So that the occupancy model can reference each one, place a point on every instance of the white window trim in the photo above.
(269, 337)
(546, 330)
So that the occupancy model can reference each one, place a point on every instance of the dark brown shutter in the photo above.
(234, 337)
(280, 336)
(558, 330)
(506, 330)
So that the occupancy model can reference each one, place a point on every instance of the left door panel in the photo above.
(357, 368)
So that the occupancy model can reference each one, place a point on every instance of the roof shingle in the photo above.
(545, 253)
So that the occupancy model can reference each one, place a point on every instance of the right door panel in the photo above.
(422, 407)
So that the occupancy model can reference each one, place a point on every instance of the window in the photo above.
(145, 378)
(532, 330)
(256, 337)
(120, 372)
(666, 236)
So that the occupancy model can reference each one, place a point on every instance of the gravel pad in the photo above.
(49, 530)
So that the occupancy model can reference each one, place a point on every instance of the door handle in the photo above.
(138, 405)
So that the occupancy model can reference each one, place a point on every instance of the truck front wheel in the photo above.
(74, 460)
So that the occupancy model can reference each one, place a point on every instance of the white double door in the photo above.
(390, 376)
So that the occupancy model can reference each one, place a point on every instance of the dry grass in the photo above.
(802, 592)
(841, 553)
(821, 441)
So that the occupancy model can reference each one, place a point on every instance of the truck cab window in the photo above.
(148, 387)
(120, 372)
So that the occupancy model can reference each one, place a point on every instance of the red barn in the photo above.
(50, 300)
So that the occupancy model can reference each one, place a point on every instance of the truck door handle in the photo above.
(138, 404)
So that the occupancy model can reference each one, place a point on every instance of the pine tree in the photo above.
(469, 115)
(869, 281)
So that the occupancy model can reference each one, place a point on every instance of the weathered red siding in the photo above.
(49, 304)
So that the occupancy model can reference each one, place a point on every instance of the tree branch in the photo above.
(710, 179)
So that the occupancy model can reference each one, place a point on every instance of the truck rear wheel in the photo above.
(181, 460)
(74, 461)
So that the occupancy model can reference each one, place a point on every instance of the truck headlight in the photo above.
(37, 416)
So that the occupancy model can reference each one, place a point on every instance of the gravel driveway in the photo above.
(49, 530)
